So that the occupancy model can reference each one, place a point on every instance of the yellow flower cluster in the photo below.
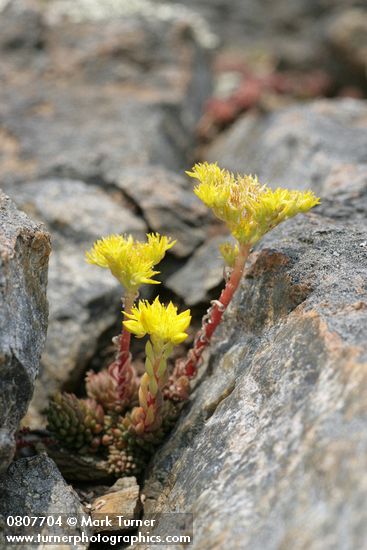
(162, 323)
(130, 261)
(248, 208)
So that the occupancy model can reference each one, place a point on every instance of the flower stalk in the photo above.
(214, 316)
(166, 329)
(122, 369)
(125, 337)
(250, 210)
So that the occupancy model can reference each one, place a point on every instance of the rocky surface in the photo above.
(168, 205)
(95, 96)
(35, 487)
(201, 273)
(84, 301)
(347, 35)
(274, 441)
(122, 499)
(271, 451)
(298, 146)
(24, 251)
(297, 34)
(98, 107)
(76, 211)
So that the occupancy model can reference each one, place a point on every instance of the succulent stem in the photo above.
(125, 337)
(121, 369)
(213, 318)
(147, 417)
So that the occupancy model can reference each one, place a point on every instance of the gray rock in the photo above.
(295, 34)
(20, 30)
(345, 194)
(297, 147)
(84, 300)
(271, 451)
(35, 487)
(85, 304)
(347, 35)
(101, 10)
(274, 441)
(24, 251)
(100, 95)
(101, 90)
(202, 273)
(76, 211)
(169, 205)
(109, 136)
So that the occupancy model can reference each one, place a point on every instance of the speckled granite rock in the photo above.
(35, 487)
(298, 146)
(24, 251)
(271, 451)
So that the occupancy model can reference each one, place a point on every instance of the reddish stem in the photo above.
(215, 314)
(124, 348)
(125, 337)
(121, 369)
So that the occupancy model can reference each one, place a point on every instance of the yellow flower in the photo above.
(229, 253)
(161, 322)
(130, 261)
(157, 246)
(248, 208)
(215, 184)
